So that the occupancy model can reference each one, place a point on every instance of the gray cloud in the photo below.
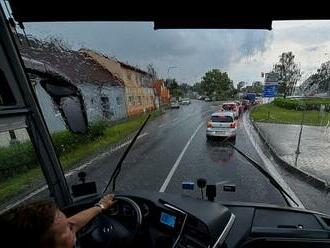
(307, 33)
(193, 51)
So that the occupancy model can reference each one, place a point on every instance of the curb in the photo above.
(313, 180)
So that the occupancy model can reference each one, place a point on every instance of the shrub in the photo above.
(302, 104)
(18, 158)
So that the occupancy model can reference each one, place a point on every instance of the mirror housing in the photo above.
(84, 188)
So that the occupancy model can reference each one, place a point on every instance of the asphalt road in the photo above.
(173, 148)
(177, 139)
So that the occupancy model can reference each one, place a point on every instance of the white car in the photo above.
(185, 101)
(222, 124)
(230, 107)
(175, 104)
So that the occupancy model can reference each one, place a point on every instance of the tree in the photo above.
(152, 71)
(319, 81)
(217, 84)
(197, 87)
(174, 87)
(288, 73)
(240, 85)
(257, 87)
(58, 42)
(185, 88)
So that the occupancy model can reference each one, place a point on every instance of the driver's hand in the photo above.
(107, 201)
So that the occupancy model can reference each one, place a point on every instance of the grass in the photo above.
(113, 134)
(274, 114)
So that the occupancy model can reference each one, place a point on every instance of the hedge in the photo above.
(19, 158)
(302, 104)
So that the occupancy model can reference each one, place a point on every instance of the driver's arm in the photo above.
(80, 219)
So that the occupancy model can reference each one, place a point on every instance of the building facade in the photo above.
(139, 95)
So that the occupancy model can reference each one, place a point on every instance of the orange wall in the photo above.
(139, 100)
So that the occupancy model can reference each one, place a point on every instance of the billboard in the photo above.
(271, 85)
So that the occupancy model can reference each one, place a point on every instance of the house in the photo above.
(161, 92)
(139, 93)
(103, 93)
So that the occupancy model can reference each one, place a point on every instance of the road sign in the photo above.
(270, 90)
(271, 77)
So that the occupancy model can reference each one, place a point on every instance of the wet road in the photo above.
(174, 149)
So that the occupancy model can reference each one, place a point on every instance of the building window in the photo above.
(105, 105)
(131, 100)
(129, 75)
(118, 99)
(139, 100)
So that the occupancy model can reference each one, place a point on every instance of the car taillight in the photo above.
(232, 125)
(209, 125)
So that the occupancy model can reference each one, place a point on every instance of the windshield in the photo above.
(278, 82)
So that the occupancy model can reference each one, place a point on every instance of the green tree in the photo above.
(240, 85)
(152, 71)
(288, 73)
(217, 84)
(318, 82)
(174, 87)
(257, 87)
(197, 87)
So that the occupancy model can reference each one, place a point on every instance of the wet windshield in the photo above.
(278, 82)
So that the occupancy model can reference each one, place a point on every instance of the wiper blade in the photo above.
(119, 164)
(266, 174)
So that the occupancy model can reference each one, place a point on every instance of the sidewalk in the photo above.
(313, 161)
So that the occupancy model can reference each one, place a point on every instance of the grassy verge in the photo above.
(274, 114)
(113, 134)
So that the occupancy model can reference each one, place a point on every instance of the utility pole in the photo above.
(299, 139)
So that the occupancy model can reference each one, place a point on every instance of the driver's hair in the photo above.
(29, 225)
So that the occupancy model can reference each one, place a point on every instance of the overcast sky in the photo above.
(244, 54)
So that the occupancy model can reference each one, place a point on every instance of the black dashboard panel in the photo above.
(271, 218)
(241, 227)
(270, 226)
(214, 215)
(181, 221)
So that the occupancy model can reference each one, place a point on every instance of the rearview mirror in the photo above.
(70, 103)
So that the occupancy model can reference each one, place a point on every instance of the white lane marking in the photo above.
(161, 125)
(270, 167)
(72, 172)
(177, 162)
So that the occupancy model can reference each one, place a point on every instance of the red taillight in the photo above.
(232, 125)
(209, 125)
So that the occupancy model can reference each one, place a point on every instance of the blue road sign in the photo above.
(270, 90)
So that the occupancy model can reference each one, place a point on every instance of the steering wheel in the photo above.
(104, 231)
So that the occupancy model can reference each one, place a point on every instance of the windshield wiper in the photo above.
(266, 174)
(118, 166)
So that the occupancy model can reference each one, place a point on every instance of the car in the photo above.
(232, 107)
(207, 99)
(245, 105)
(185, 101)
(222, 124)
(175, 104)
(240, 107)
